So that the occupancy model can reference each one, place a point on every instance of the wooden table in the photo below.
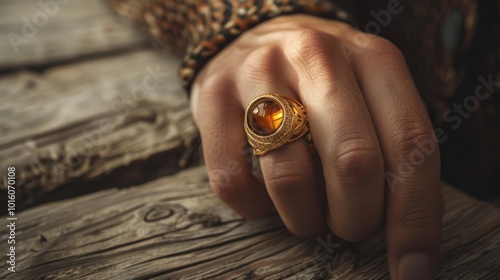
(81, 128)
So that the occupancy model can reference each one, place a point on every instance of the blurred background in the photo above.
(86, 102)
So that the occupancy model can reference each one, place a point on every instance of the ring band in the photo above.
(273, 120)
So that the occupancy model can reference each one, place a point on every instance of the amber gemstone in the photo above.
(266, 117)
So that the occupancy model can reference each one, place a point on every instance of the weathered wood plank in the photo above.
(34, 104)
(33, 34)
(175, 228)
(86, 120)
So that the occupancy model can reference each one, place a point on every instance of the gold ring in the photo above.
(273, 120)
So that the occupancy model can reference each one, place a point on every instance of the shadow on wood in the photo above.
(82, 122)
(175, 228)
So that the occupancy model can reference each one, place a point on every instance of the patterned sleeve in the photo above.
(197, 29)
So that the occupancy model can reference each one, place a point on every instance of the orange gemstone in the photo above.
(266, 117)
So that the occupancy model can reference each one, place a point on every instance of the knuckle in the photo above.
(304, 38)
(222, 184)
(358, 157)
(285, 177)
(261, 64)
(309, 48)
(310, 52)
(383, 54)
(409, 139)
(261, 57)
(215, 90)
(212, 84)
(212, 89)
(382, 46)
(416, 216)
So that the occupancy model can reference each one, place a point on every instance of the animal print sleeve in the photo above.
(197, 29)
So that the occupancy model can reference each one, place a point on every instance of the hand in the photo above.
(379, 155)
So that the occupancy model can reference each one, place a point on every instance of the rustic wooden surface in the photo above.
(88, 119)
(78, 29)
(175, 228)
(74, 114)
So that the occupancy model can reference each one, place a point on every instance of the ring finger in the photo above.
(289, 170)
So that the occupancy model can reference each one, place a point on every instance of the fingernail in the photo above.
(415, 266)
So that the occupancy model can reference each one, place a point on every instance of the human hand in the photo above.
(368, 123)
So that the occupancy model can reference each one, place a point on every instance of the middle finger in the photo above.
(344, 135)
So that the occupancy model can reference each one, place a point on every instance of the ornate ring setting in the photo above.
(273, 120)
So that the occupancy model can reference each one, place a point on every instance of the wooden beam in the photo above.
(175, 228)
(37, 35)
(84, 121)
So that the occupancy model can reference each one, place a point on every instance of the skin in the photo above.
(378, 153)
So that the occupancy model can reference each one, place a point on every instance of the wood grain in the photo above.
(80, 121)
(66, 31)
(174, 228)
(86, 120)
